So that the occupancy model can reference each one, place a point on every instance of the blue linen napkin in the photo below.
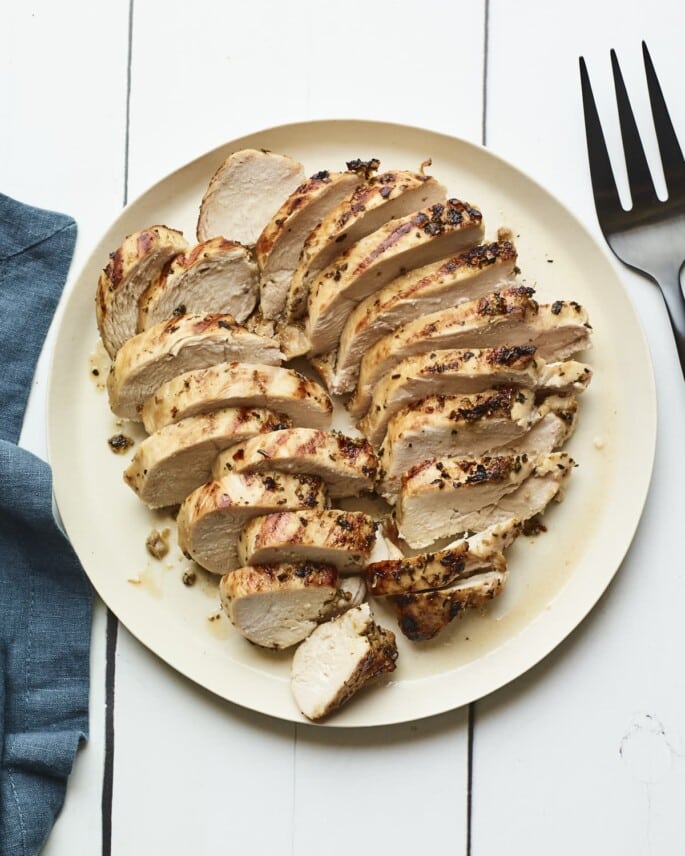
(45, 598)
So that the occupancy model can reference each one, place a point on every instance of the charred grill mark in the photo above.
(510, 356)
(500, 402)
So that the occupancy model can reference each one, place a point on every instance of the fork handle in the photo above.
(675, 303)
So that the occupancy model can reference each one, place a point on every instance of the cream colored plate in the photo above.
(555, 578)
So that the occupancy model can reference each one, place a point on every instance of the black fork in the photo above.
(650, 236)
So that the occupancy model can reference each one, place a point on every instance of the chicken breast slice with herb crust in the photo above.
(465, 278)
(216, 276)
(410, 242)
(169, 464)
(238, 385)
(459, 372)
(422, 615)
(264, 178)
(429, 509)
(455, 426)
(343, 539)
(280, 244)
(383, 197)
(212, 516)
(276, 606)
(338, 659)
(178, 345)
(348, 465)
(132, 268)
(511, 318)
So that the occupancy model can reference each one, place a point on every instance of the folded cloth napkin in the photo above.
(45, 599)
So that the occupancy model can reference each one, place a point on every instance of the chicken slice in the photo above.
(276, 606)
(216, 276)
(422, 615)
(264, 178)
(343, 539)
(178, 345)
(380, 199)
(280, 244)
(441, 285)
(172, 462)
(212, 516)
(409, 242)
(458, 372)
(238, 385)
(511, 318)
(455, 426)
(338, 659)
(426, 511)
(138, 262)
(348, 465)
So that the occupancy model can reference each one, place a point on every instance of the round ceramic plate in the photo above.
(555, 577)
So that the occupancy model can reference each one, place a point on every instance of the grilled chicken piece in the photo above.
(453, 426)
(173, 461)
(217, 276)
(462, 372)
(348, 465)
(276, 606)
(441, 285)
(338, 659)
(380, 199)
(238, 385)
(426, 512)
(365, 267)
(557, 423)
(178, 345)
(509, 318)
(422, 615)
(280, 244)
(212, 516)
(343, 539)
(458, 425)
(137, 263)
(263, 178)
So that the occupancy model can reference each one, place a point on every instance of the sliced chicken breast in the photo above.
(212, 516)
(441, 285)
(216, 276)
(509, 318)
(238, 385)
(277, 606)
(426, 512)
(338, 659)
(169, 464)
(458, 425)
(343, 539)
(409, 242)
(348, 465)
(280, 244)
(132, 268)
(422, 615)
(494, 421)
(382, 198)
(173, 347)
(461, 372)
(244, 192)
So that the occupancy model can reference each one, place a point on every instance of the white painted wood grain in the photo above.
(585, 753)
(62, 109)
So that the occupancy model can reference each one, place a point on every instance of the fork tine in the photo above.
(639, 177)
(669, 147)
(607, 201)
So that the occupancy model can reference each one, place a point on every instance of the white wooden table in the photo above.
(583, 754)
